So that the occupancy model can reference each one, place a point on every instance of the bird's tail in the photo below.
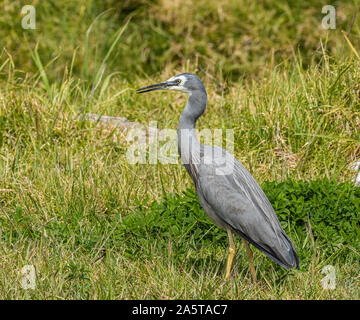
(287, 255)
(284, 255)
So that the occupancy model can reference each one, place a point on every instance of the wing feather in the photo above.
(238, 200)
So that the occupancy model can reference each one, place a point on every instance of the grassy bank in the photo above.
(288, 89)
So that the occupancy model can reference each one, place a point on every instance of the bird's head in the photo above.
(185, 82)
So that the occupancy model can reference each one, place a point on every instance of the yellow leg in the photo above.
(231, 255)
(250, 258)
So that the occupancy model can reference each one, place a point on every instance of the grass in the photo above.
(66, 187)
(228, 39)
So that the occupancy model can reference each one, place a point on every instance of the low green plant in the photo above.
(324, 210)
(327, 209)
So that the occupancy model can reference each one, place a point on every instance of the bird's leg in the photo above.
(231, 254)
(250, 258)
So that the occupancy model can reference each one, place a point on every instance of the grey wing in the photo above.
(238, 201)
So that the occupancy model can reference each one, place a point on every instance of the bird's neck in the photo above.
(193, 110)
(188, 144)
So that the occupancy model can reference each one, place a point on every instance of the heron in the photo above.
(227, 192)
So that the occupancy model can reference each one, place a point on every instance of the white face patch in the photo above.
(179, 87)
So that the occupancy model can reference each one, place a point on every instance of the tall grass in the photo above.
(227, 39)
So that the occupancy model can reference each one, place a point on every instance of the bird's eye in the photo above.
(178, 81)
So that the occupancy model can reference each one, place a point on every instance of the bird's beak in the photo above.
(158, 86)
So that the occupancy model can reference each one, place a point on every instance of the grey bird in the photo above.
(228, 193)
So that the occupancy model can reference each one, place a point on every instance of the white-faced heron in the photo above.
(230, 196)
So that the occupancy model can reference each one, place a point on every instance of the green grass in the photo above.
(288, 89)
(227, 39)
